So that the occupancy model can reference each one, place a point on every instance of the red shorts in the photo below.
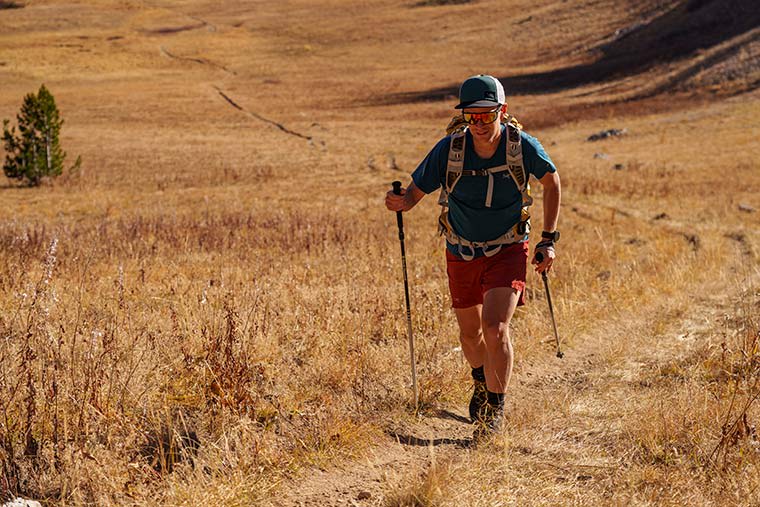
(469, 280)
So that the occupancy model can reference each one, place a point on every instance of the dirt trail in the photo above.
(580, 400)
(406, 449)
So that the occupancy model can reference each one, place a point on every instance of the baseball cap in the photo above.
(481, 91)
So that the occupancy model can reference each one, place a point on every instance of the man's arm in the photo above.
(407, 200)
(552, 196)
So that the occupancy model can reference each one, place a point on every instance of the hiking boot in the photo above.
(489, 423)
(478, 401)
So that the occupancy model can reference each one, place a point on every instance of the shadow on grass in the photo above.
(447, 414)
(10, 5)
(412, 440)
(683, 31)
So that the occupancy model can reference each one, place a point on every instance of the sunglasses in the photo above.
(485, 118)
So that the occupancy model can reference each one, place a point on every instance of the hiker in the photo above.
(482, 169)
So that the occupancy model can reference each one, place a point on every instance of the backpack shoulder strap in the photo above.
(454, 165)
(515, 157)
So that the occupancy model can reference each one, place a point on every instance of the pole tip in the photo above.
(560, 354)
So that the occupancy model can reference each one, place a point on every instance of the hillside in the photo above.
(211, 310)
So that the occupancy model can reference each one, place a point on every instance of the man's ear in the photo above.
(503, 111)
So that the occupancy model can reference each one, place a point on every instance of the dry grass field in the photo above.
(210, 311)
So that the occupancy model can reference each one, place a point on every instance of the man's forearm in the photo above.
(412, 197)
(552, 197)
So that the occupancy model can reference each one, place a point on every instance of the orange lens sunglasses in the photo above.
(487, 117)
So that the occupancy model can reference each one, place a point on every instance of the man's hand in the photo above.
(404, 201)
(396, 202)
(546, 249)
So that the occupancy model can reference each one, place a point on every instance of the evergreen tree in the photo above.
(36, 151)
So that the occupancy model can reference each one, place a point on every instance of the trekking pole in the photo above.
(400, 222)
(539, 258)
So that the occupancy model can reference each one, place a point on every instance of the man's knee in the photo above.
(470, 335)
(496, 334)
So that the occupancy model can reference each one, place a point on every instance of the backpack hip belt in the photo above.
(515, 234)
(454, 172)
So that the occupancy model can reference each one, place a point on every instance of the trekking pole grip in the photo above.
(399, 218)
(540, 259)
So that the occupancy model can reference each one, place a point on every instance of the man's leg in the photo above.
(498, 308)
(474, 350)
(471, 334)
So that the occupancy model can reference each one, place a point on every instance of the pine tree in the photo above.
(36, 151)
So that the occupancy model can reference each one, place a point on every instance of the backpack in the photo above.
(455, 170)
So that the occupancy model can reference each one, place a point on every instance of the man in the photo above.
(485, 222)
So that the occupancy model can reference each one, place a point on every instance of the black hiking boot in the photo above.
(479, 394)
(489, 424)
(492, 415)
(478, 401)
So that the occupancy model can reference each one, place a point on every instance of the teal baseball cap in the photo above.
(481, 91)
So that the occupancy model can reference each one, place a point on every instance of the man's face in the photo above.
(485, 122)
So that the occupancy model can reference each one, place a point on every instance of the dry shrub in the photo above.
(143, 236)
(236, 381)
(673, 435)
(740, 391)
(702, 415)
(66, 382)
(151, 373)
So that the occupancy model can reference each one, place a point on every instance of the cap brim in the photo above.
(478, 103)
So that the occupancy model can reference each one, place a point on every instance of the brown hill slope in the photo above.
(688, 45)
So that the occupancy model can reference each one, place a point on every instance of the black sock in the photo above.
(495, 399)
(478, 375)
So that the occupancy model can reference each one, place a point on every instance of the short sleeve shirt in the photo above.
(468, 215)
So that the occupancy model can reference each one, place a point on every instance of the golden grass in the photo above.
(222, 310)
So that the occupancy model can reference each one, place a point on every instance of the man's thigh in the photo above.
(499, 306)
(469, 320)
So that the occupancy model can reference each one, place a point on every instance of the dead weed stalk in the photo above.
(741, 361)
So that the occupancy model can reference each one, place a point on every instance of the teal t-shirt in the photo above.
(468, 214)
